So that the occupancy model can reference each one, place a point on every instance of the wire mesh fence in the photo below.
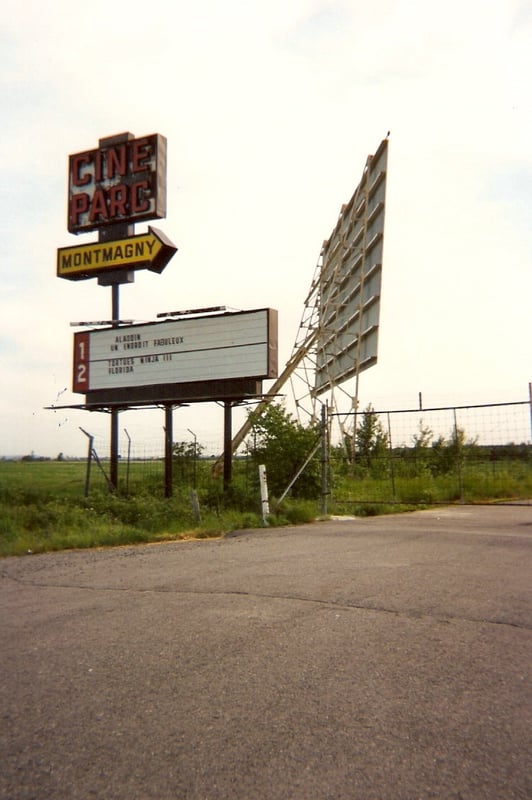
(141, 464)
(466, 453)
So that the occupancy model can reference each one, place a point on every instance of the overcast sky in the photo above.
(270, 109)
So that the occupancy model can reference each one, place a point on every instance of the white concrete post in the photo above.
(264, 494)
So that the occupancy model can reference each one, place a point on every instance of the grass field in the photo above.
(43, 508)
(43, 505)
(476, 481)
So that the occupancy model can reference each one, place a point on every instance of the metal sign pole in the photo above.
(324, 455)
(228, 453)
(168, 444)
(120, 230)
(115, 280)
(113, 475)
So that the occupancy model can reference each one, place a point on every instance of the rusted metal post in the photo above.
(228, 460)
(168, 455)
(121, 230)
(113, 471)
(89, 461)
(530, 399)
(324, 456)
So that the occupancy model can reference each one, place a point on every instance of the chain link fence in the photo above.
(476, 454)
(467, 454)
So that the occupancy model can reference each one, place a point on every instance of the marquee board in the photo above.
(184, 358)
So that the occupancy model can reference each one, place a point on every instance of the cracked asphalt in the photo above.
(368, 659)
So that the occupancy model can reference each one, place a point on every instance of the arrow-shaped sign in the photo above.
(152, 250)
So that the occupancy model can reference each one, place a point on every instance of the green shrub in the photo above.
(294, 512)
(283, 445)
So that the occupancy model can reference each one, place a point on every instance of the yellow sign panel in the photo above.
(150, 250)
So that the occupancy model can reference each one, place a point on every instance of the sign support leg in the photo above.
(168, 443)
(228, 463)
(113, 472)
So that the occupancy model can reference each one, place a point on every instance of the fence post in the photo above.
(324, 456)
(89, 461)
(195, 505)
(390, 451)
(128, 459)
(458, 457)
(265, 506)
(530, 401)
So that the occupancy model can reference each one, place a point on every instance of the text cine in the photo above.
(116, 183)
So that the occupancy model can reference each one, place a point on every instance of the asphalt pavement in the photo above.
(386, 658)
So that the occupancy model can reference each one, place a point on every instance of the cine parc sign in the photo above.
(111, 188)
(190, 358)
(121, 182)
